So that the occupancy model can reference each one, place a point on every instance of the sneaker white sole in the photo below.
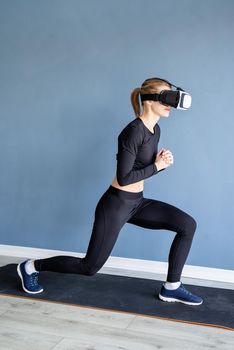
(180, 301)
(22, 280)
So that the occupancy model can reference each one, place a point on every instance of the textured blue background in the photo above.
(67, 69)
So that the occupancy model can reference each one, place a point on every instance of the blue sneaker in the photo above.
(29, 282)
(181, 294)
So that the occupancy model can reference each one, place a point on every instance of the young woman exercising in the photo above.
(123, 202)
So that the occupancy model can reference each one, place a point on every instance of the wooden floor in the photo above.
(30, 324)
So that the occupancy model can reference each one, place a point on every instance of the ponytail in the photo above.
(135, 101)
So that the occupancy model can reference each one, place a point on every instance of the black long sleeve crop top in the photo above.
(137, 150)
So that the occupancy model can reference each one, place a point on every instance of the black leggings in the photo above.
(113, 210)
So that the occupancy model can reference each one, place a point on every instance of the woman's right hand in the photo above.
(164, 159)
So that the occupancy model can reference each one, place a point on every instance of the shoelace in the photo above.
(186, 291)
(34, 279)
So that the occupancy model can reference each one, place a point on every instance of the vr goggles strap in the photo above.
(152, 97)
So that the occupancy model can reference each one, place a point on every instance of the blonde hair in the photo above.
(149, 86)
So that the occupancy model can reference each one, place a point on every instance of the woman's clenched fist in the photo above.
(164, 159)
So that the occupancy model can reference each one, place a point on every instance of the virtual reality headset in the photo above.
(178, 99)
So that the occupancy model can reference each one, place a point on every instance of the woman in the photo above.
(123, 202)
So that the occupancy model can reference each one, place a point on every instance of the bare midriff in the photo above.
(134, 187)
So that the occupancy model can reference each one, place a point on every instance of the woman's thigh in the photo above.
(111, 214)
(155, 214)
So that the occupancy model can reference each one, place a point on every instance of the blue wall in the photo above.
(66, 72)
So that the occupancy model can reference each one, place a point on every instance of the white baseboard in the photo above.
(159, 267)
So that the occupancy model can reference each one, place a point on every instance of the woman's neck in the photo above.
(149, 119)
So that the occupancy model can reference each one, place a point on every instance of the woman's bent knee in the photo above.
(90, 271)
(190, 226)
(193, 224)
